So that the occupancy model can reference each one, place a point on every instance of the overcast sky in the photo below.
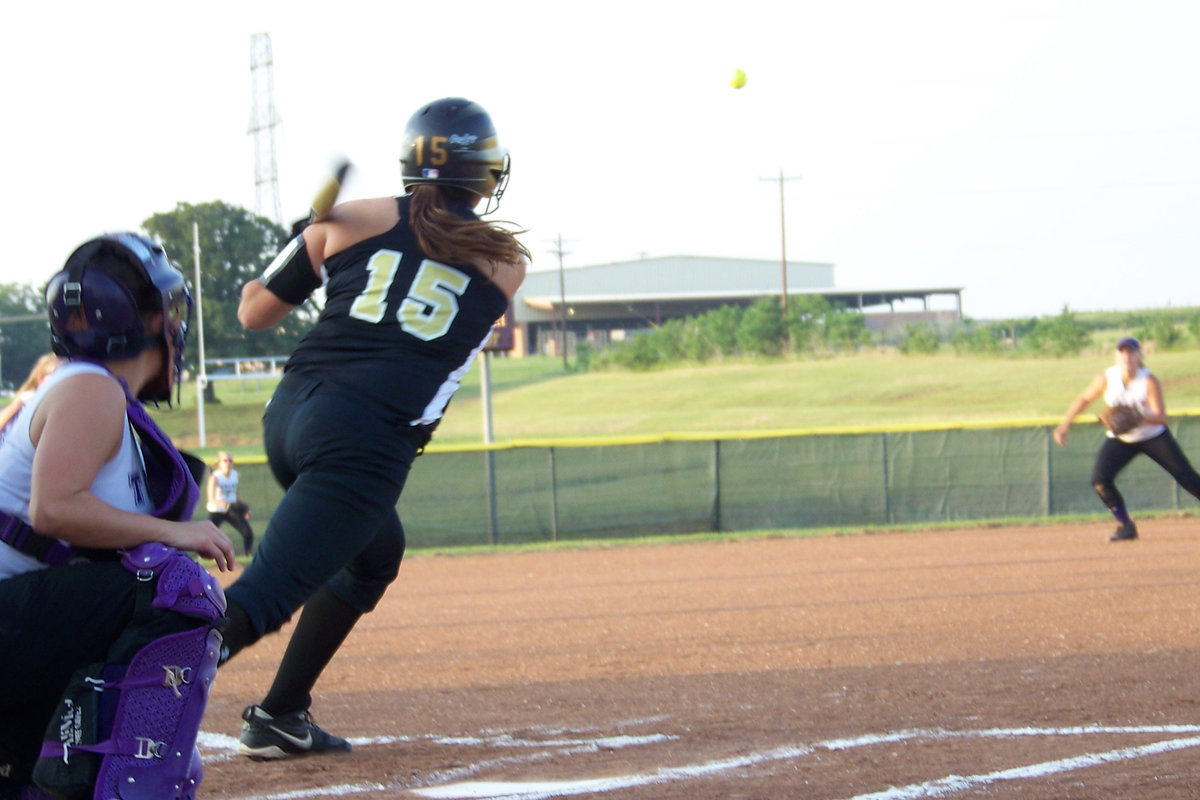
(1035, 152)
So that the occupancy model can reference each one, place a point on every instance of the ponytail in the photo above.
(445, 236)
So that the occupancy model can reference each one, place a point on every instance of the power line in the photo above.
(782, 239)
(562, 293)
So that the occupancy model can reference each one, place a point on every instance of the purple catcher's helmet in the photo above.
(95, 312)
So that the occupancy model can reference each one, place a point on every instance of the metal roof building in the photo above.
(601, 299)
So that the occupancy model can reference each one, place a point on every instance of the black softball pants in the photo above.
(1115, 454)
(235, 515)
(336, 527)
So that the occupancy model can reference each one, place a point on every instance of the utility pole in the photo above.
(201, 375)
(782, 238)
(562, 297)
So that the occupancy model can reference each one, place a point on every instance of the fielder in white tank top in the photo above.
(1152, 438)
(1136, 394)
(227, 490)
(121, 482)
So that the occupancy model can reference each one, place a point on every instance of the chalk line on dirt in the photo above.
(217, 748)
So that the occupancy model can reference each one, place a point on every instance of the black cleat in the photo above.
(1124, 533)
(265, 737)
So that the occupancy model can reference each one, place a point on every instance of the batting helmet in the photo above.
(452, 142)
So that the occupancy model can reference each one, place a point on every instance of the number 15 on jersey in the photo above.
(431, 305)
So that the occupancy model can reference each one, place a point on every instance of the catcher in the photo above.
(110, 631)
(1136, 419)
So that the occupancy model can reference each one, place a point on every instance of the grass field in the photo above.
(534, 399)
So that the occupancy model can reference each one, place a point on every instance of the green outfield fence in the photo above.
(597, 489)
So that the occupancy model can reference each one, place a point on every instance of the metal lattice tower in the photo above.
(263, 121)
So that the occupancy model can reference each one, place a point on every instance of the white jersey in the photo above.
(121, 482)
(1136, 393)
(227, 490)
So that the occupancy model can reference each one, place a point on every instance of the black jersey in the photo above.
(398, 329)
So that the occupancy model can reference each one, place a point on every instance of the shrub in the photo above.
(807, 321)
(1059, 336)
(668, 340)
(695, 344)
(1160, 330)
(846, 330)
(919, 339)
(639, 353)
(584, 353)
(720, 327)
(761, 328)
(980, 339)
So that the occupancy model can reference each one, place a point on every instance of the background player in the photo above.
(414, 287)
(225, 504)
(45, 364)
(1130, 383)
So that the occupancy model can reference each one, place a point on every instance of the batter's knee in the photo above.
(365, 579)
(363, 589)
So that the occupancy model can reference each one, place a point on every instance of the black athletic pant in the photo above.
(335, 530)
(1115, 454)
(235, 515)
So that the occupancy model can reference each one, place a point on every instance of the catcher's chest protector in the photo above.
(129, 731)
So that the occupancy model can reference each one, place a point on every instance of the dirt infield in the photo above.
(1004, 662)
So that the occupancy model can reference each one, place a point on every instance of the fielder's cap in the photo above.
(1129, 342)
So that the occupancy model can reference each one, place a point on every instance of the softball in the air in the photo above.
(739, 79)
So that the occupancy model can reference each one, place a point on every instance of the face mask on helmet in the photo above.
(452, 142)
(95, 314)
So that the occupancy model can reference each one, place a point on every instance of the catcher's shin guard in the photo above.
(129, 730)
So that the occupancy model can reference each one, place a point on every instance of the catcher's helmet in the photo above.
(452, 142)
(97, 301)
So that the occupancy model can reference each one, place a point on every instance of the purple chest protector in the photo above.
(172, 477)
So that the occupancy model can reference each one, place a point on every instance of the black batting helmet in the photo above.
(452, 142)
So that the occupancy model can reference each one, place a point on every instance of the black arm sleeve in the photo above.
(291, 276)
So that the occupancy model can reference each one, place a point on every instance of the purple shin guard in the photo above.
(158, 719)
(129, 731)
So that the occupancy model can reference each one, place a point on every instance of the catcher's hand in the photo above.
(1120, 419)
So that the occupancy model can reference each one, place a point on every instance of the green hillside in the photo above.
(535, 399)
